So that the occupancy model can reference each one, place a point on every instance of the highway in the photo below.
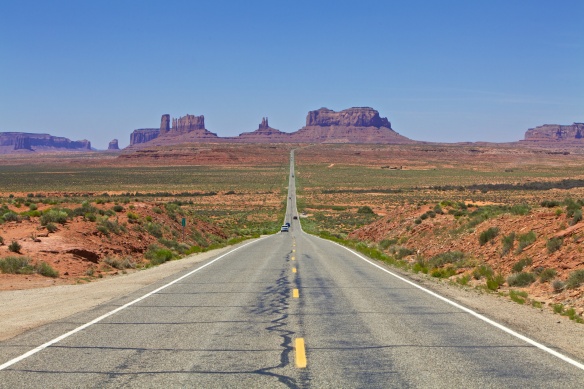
(288, 310)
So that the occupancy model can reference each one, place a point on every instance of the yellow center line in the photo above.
(300, 353)
(295, 293)
(293, 270)
(293, 250)
(293, 258)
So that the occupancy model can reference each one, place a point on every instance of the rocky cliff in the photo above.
(353, 125)
(14, 141)
(189, 128)
(555, 133)
(113, 145)
(264, 134)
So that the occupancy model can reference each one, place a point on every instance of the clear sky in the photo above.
(443, 70)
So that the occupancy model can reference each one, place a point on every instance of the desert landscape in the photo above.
(504, 219)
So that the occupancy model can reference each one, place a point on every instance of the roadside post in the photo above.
(184, 224)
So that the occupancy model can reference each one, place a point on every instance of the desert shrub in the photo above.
(482, 271)
(547, 275)
(14, 247)
(54, 216)
(488, 235)
(51, 227)
(90, 217)
(444, 272)
(132, 217)
(550, 203)
(575, 279)
(158, 255)
(424, 216)
(521, 279)
(385, 243)
(577, 217)
(365, 209)
(118, 208)
(154, 229)
(16, 265)
(103, 229)
(558, 286)
(418, 221)
(11, 217)
(508, 243)
(157, 210)
(46, 270)
(520, 265)
(438, 209)
(463, 280)
(525, 240)
(571, 207)
(33, 207)
(399, 252)
(495, 281)
(520, 209)
(446, 258)
(553, 244)
(518, 296)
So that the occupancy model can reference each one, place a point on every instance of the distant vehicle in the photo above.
(287, 224)
(284, 228)
(295, 218)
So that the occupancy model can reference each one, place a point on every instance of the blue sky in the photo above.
(444, 70)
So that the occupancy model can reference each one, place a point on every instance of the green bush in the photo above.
(520, 265)
(577, 217)
(46, 270)
(521, 279)
(14, 247)
(118, 208)
(508, 243)
(365, 209)
(518, 296)
(54, 216)
(154, 229)
(547, 275)
(495, 281)
(488, 235)
(446, 258)
(550, 203)
(558, 286)
(51, 227)
(444, 272)
(483, 271)
(120, 263)
(16, 265)
(158, 255)
(571, 207)
(11, 217)
(553, 245)
(575, 279)
(525, 240)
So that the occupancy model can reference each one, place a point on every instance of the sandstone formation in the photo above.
(264, 134)
(113, 145)
(353, 125)
(189, 128)
(555, 133)
(143, 135)
(14, 141)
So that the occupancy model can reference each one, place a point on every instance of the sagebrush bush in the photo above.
(575, 279)
(547, 275)
(558, 286)
(508, 243)
(14, 247)
(521, 279)
(54, 216)
(16, 265)
(553, 245)
(525, 240)
(488, 235)
(158, 255)
(46, 270)
(118, 208)
(365, 209)
(520, 265)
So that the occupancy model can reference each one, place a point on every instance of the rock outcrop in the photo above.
(555, 133)
(353, 125)
(143, 135)
(14, 141)
(189, 128)
(264, 134)
(113, 145)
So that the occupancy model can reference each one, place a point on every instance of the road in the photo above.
(241, 319)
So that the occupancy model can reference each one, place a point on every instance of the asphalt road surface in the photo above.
(288, 310)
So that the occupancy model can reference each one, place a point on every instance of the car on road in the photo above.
(287, 224)
(295, 218)
(284, 228)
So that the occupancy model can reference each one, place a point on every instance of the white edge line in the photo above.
(94, 321)
(465, 309)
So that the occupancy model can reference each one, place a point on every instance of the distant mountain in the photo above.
(353, 125)
(555, 134)
(11, 142)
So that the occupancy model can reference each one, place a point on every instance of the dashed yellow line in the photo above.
(295, 293)
(293, 250)
(293, 270)
(300, 353)
(293, 258)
